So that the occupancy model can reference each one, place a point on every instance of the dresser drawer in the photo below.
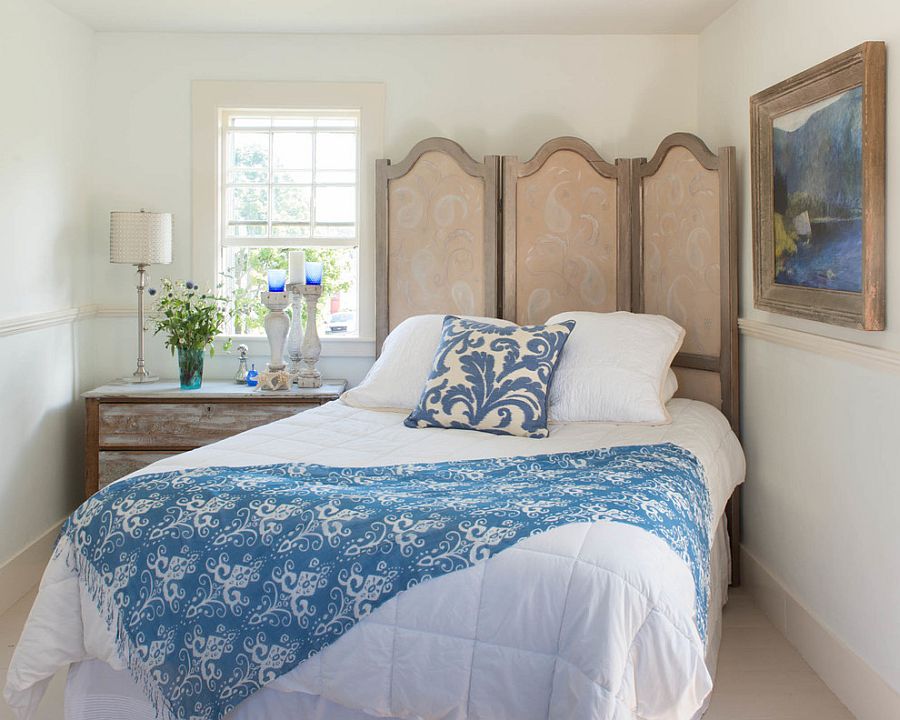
(115, 464)
(184, 425)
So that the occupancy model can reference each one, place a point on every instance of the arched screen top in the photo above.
(681, 253)
(685, 250)
(563, 245)
(436, 221)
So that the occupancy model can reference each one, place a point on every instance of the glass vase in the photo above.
(190, 368)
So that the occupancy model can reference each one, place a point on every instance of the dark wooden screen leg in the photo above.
(733, 513)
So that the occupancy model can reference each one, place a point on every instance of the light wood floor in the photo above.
(760, 676)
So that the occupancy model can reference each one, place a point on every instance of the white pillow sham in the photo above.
(396, 380)
(614, 368)
(670, 387)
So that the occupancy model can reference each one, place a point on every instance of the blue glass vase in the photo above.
(190, 368)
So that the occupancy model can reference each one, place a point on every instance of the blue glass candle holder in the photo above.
(276, 280)
(313, 273)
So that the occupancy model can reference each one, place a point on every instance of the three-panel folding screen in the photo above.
(567, 230)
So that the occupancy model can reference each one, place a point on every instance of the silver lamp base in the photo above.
(141, 376)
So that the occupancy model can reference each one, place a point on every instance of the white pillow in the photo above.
(614, 368)
(397, 378)
(670, 387)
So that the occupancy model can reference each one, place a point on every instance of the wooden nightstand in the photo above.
(129, 426)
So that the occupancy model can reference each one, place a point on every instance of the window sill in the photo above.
(332, 347)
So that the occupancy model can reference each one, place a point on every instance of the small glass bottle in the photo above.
(252, 376)
(240, 377)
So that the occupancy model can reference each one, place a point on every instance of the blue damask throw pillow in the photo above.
(492, 378)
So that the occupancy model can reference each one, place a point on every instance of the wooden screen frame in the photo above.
(513, 170)
(488, 171)
(727, 362)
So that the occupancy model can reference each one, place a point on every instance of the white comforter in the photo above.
(585, 621)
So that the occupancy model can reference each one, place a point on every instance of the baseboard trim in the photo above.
(877, 358)
(865, 693)
(23, 571)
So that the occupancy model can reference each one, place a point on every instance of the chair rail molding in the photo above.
(63, 316)
(331, 347)
(37, 321)
(883, 359)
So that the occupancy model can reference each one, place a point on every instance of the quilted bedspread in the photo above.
(588, 619)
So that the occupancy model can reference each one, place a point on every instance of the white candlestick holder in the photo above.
(276, 325)
(295, 336)
(311, 347)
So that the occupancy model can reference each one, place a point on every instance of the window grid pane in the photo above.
(293, 139)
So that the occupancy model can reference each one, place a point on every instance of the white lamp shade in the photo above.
(140, 238)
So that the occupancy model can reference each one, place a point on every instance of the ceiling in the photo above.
(445, 17)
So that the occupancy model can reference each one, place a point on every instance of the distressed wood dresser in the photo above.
(129, 426)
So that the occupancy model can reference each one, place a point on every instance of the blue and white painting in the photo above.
(817, 194)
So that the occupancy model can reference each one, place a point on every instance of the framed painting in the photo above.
(818, 165)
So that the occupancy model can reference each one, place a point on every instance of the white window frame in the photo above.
(209, 100)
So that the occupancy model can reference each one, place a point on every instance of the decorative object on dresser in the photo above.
(818, 161)
(140, 239)
(240, 377)
(296, 281)
(191, 319)
(311, 348)
(276, 325)
(130, 426)
(295, 334)
(275, 380)
(276, 278)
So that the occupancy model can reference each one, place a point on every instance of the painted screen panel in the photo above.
(437, 249)
(565, 239)
(682, 275)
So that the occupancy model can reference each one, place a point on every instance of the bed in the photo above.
(514, 636)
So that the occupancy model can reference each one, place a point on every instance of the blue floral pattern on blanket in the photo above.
(218, 580)
(493, 378)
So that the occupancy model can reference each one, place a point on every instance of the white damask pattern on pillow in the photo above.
(491, 378)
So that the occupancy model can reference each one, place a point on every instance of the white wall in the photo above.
(45, 65)
(821, 435)
(492, 94)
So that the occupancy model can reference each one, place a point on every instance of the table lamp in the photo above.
(140, 239)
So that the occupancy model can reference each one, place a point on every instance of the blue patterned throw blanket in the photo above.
(218, 580)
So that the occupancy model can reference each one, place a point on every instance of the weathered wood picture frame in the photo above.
(818, 149)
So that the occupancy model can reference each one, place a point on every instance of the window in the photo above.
(289, 180)
(280, 166)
